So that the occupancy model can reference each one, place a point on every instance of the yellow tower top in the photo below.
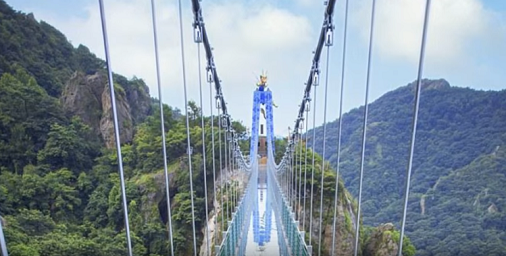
(263, 80)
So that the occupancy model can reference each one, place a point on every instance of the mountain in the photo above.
(73, 75)
(378, 241)
(59, 182)
(457, 203)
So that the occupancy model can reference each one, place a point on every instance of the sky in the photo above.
(466, 45)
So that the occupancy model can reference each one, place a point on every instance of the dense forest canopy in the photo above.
(457, 191)
(59, 185)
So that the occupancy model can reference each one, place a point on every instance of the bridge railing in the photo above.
(235, 239)
(291, 240)
(292, 237)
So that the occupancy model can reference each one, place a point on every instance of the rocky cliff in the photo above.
(87, 96)
(345, 225)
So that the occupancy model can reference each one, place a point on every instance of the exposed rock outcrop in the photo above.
(492, 209)
(88, 97)
(345, 224)
(428, 84)
(381, 242)
(125, 120)
(139, 100)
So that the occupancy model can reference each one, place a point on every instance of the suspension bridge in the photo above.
(267, 212)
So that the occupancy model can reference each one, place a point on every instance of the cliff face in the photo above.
(88, 97)
(381, 242)
(345, 224)
(345, 227)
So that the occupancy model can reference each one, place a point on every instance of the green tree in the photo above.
(26, 114)
(65, 148)
(61, 195)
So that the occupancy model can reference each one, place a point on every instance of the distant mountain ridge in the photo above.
(459, 130)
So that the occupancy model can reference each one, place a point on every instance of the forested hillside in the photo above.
(458, 201)
(59, 183)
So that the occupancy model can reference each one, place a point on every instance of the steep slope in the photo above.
(456, 127)
(379, 241)
(69, 73)
(59, 182)
(473, 200)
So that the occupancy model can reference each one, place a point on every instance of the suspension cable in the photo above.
(305, 174)
(364, 133)
(234, 191)
(231, 170)
(213, 158)
(340, 124)
(236, 171)
(227, 177)
(293, 174)
(200, 28)
(116, 127)
(203, 149)
(415, 121)
(188, 141)
(164, 144)
(289, 174)
(324, 144)
(314, 72)
(289, 178)
(312, 81)
(222, 190)
(300, 175)
(3, 244)
(286, 173)
(231, 175)
(236, 168)
(312, 168)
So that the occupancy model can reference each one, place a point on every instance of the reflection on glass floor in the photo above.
(261, 238)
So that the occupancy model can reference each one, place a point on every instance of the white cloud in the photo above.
(246, 39)
(453, 26)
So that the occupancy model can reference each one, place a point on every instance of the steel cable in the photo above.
(3, 244)
(116, 127)
(162, 124)
(203, 149)
(312, 168)
(188, 141)
(222, 192)
(415, 120)
(324, 144)
(215, 201)
(305, 176)
(364, 133)
(340, 125)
